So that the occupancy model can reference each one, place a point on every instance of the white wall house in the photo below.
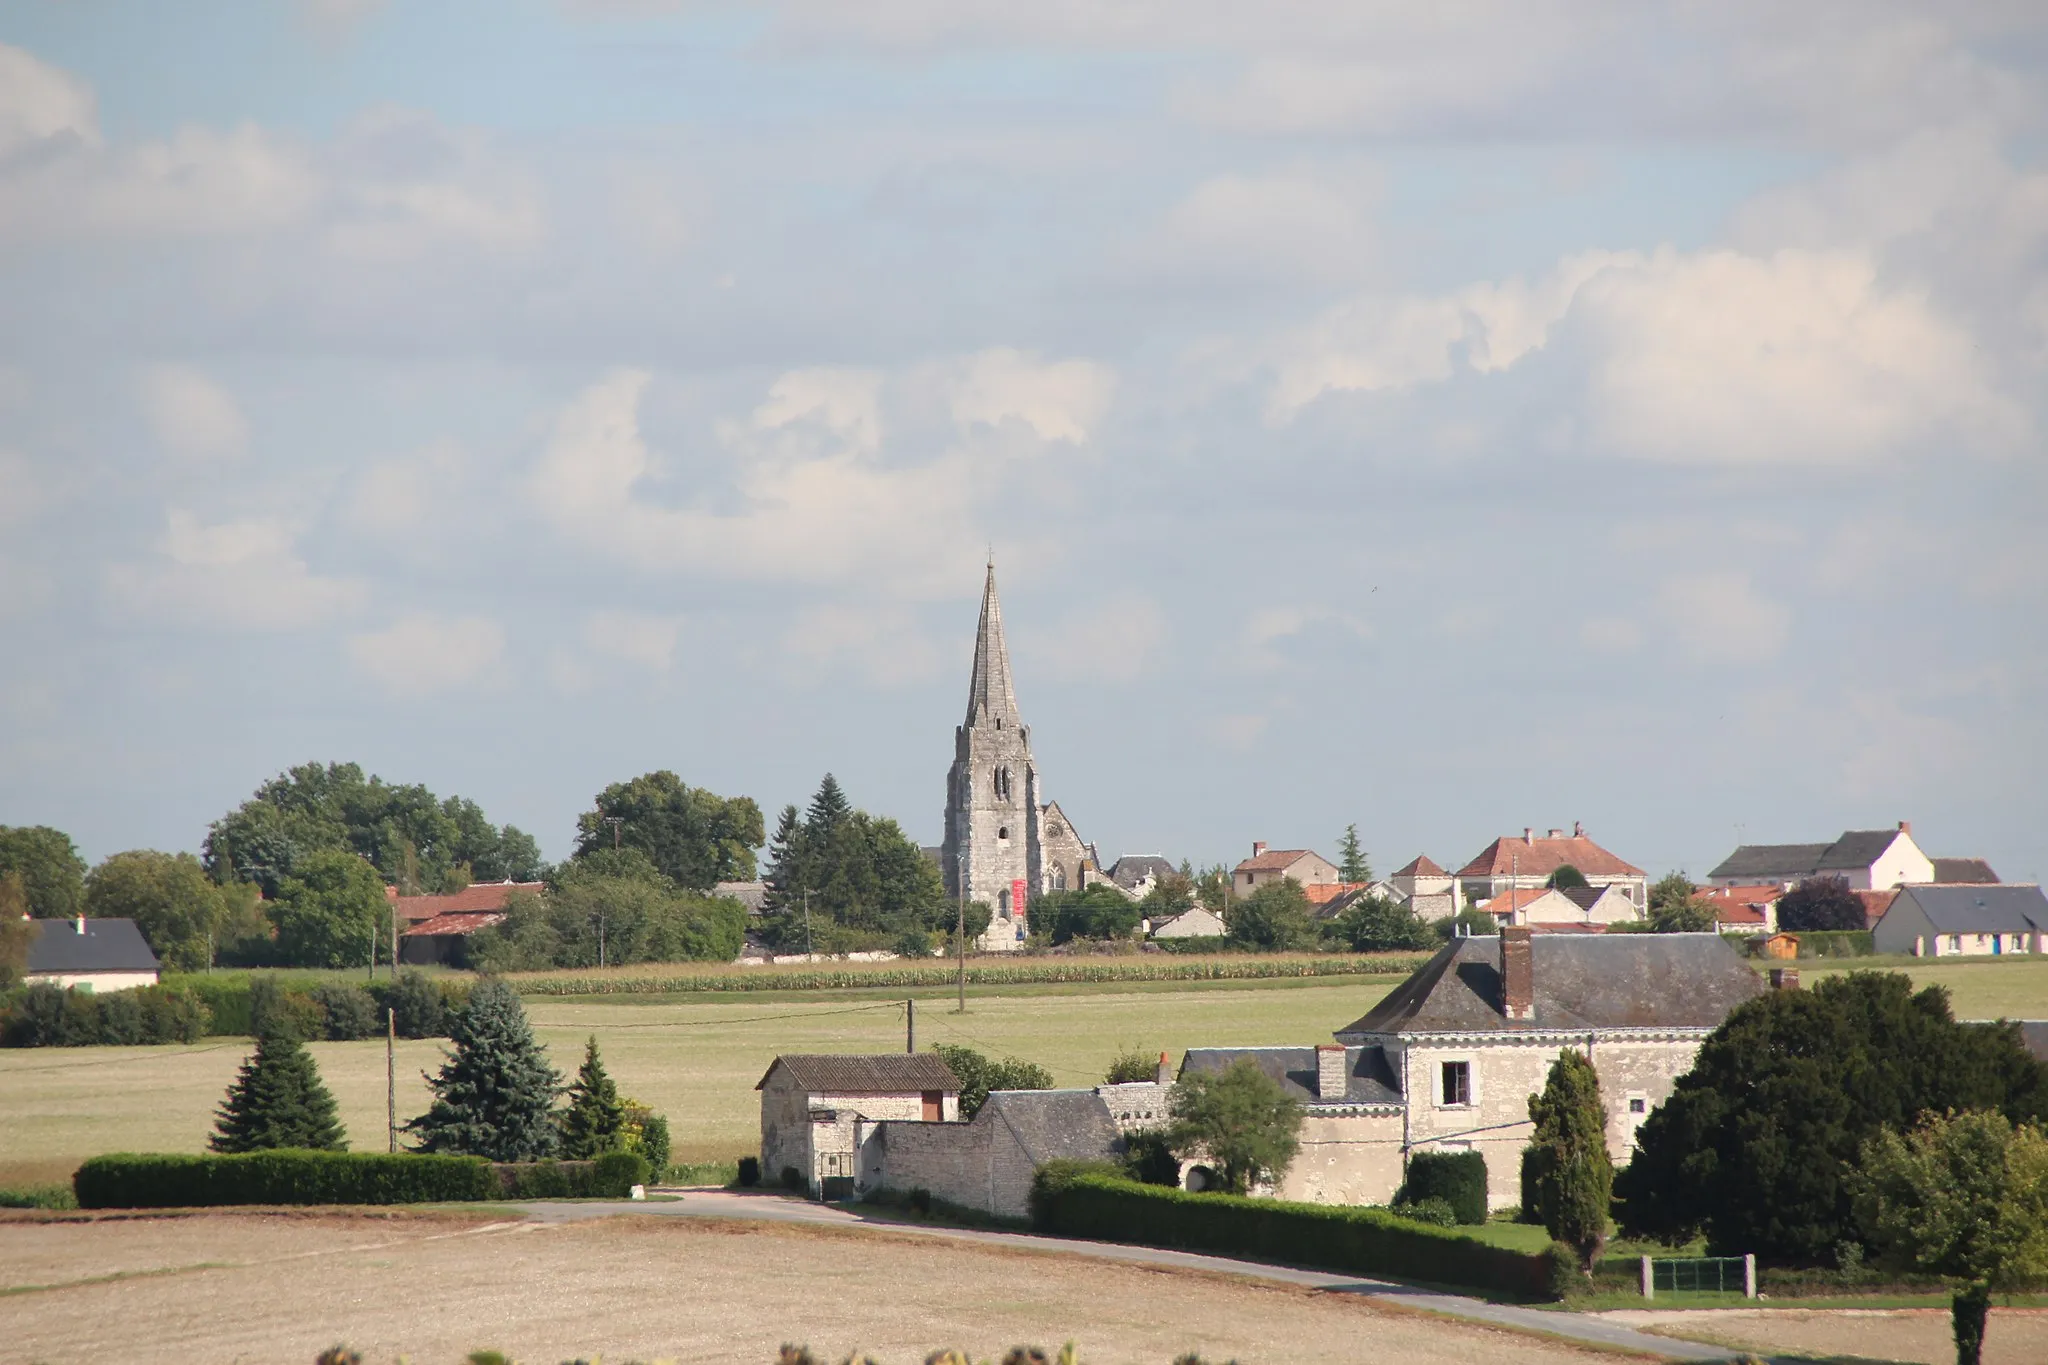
(1866, 859)
(1964, 921)
(96, 955)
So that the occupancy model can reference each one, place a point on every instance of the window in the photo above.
(1457, 1083)
(1003, 833)
(1637, 1104)
(1002, 784)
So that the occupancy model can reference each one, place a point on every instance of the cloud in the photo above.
(236, 575)
(886, 643)
(1711, 614)
(400, 496)
(1268, 626)
(636, 637)
(1117, 640)
(1059, 400)
(1312, 225)
(1610, 634)
(190, 413)
(38, 102)
(423, 654)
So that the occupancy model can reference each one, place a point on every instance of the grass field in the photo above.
(697, 1056)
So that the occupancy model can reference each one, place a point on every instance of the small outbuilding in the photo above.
(95, 955)
(814, 1104)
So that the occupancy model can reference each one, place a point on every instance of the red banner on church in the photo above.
(1018, 900)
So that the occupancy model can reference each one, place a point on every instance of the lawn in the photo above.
(1981, 988)
(696, 1058)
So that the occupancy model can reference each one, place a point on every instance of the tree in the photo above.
(979, 1074)
(1212, 889)
(1673, 888)
(173, 902)
(866, 883)
(1573, 1175)
(332, 912)
(1096, 912)
(278, 1100)
(694, 836)
(1379, 925)
(1754, 1146)
(1352, 865)
(16, 932)
(495, 1094)
(1130, 1066)
(1274, 918)
(1691, 916)
(1566, 878)
(1821, 903)
(610, 905)
(595, 1121)
(1470, 922)
(1963, 1196)
(1173, 894)
(52, 874)
(1238, 1120)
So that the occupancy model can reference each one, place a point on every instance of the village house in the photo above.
(92, 955)
(1271, 865)
(1556, 907)
(814, 1107)
(1425, 889)
(1965, 920)
(1866, 859)
(1195, 922)
(1743, 909)
(1528, 863)
(1136, 874)
(436, 929)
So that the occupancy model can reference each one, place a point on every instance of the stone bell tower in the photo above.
(994, 835)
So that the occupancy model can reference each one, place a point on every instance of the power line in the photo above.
(727, 1023)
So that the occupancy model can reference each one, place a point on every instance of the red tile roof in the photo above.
(1326, 892)
(1274, 860)
(1541, 856)
(1875, 903)
(455, 922)
(477, 896)
(1423, 866)
(1507, 902)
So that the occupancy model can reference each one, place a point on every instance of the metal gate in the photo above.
(1699, 1275)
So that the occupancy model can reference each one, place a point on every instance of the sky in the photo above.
(1446, 418)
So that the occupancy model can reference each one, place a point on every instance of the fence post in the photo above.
(1749, 1275)
(1649, 1281)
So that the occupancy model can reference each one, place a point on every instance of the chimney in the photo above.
(1906, 828)
(1517, 973)
(81, 926)
(1258, 847)
(1331, 1080)
(1578, 830)
(1557, 834)
(1784, 978)
(1528, 835)
(1165, 1076)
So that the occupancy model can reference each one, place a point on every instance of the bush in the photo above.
(1837, 943)
(914, 943)
(1457, 1178)
(157, 1181)
(275, 1009)
(611, 1176)
(749, 1172)
(348, 1012)
(1562, 1275)
(792, 1178)
(1149, 1158)
(1437, 1213)
(46, 1015)
(37, 1197)
(1535, 1167)
(1072, 1200)
(420, 1005)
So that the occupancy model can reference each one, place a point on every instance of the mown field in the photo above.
(697, 1055)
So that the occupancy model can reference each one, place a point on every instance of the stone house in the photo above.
(1748, 909)
(1352, 1120)
(814, 1104)
(1270, 865)
(1426, 889)
(1557, 906)
(1195, 922)
(92, 955)
(1966, 920)
(1867, 859)
(1527, 863)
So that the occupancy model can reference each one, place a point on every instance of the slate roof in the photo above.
(1131, 869)
(1578, 981)
(476, 896)
(1051, 1124)
(2009, 909)
(107, 945)
(1423, 866)
(873, 1073)
(2034, 1033)
(753, 895)
(1585, 897)
(1771, 862)
(1369, 1077)
(1857, 848)
(1964, 871)
(1539, 857)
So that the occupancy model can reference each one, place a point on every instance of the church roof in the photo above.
(991, 696)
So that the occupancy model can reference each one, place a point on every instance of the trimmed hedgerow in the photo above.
(156, 1180)
(611, 1176)
(1072, 1200)
(1457, 1178)
(47, 1015)
(185, 1008)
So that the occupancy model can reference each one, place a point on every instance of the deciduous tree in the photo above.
(1273, 918)
(495, 1094)
(16, 931)
(1096, 912)
(52, 874)
(1820, 903)
(1239, 1120)
(979, 1074)
(695, 837)
(1379, 925)
(178, 908)
(332, 912)
(1566, 878)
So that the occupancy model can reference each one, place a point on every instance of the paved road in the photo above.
(780, 1208)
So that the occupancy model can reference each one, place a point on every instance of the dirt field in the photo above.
(2014, 1337)
(696, 1061)
(281, 1288)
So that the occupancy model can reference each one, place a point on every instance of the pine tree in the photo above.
(1352, 865)
(595, 1120)
(786, 876)
(829, 809)
(278, 1100)
(495, 1096)
(1571, 1175)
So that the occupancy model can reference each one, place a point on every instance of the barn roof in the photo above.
(873, 1073)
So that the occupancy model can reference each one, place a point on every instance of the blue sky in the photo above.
(1449, 420)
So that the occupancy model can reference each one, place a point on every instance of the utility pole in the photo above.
(809, 952)
(960, 937)
(391, 1076)
(394, 944)
(373, 951)
(910, 1026)
(615, 821)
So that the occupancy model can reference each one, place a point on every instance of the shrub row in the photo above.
(160, 1181)
(1033, 972)
(1836, 943)
(1073, 1201)
(45, 1015)
(184, 1009)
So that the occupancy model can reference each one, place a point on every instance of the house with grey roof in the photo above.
(1964, 871)
(1964, 920)
(1866, 859)
(988, 1162)
(813, 1105)
(1135, 874)
(97, 955)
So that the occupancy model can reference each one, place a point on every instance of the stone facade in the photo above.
(814, 1127)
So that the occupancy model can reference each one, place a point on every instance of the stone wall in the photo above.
(1352, 1157)
(791, 1138)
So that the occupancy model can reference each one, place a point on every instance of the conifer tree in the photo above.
(829, 808)
(278, 1100)
(595, 1121)
(1571, 1175)
(1352, 865)
(495, 1096)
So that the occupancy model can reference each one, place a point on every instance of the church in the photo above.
(1005, 842)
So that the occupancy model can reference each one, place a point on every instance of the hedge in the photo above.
(1836, 942)
(46, 1015)
(1071, 1201)
(157, 1181)
(1052, 971)
(185, 1008)
(1457, 1178)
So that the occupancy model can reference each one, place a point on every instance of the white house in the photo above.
(1528, 863)
(1966, 920)
(1866, 859)
(1196, 922)
(90, 954)
(1553, 906)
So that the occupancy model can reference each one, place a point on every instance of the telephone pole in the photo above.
(391, 1076)
(910, 1026)
(960, 937)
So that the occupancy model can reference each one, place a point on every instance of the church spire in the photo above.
(990, 696)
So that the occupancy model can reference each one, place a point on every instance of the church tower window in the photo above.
(1002, 784)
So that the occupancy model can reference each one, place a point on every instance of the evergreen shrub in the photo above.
(1071, 1199)
(46, 1015)
(423, 1006)
(1436, 1212)
(611, 1176)
(1457, 1178)
(157, 1180)
(347, 1012)
(1535, 1169)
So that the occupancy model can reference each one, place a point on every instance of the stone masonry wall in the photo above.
(1352, 1158)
